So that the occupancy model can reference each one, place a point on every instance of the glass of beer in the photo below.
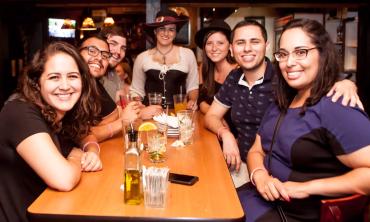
(180, 102)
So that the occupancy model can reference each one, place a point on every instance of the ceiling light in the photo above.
(108, 21)
(88, 24)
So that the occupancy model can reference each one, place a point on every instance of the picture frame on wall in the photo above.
(259, 19)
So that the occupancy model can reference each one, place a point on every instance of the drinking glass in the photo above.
(124, 100)
(180, 102)
(155, 98)
(156, 146)
(185, 118)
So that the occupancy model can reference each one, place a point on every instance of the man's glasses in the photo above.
(93, 51)
(297, 54)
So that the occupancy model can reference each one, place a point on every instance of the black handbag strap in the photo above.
(276, 129)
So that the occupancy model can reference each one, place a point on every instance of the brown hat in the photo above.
(216, 25)
(165, 17)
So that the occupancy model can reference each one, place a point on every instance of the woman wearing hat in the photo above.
(166, 68)
(217, 64)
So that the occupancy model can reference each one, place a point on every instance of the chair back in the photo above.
(351, 208)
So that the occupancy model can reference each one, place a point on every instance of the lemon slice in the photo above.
(147, 126)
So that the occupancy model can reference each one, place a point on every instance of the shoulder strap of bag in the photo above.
(276, 129)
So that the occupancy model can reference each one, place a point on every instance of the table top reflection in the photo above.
(98, 196)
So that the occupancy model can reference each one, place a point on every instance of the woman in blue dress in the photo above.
(321, 148)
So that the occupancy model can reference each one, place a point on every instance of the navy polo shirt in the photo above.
(248, 104)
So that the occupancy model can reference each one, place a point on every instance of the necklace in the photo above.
(164, 54)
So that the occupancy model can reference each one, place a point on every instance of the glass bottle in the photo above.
(132, 191)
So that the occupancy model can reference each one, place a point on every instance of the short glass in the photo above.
(186, 126)
(155, 98)
(180, 102)
(156, 146)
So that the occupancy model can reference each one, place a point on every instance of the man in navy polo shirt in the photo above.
(248, 92)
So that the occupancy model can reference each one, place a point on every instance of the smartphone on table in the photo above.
(182, 179)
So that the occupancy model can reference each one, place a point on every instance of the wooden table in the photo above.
(98, 196)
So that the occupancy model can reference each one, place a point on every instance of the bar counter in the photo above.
(98, 196)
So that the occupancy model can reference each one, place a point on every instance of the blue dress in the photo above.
(305, 148)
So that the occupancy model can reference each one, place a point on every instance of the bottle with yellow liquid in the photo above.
(133, 188)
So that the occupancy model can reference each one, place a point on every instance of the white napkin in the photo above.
(171, 120)
(178, 143)
(242, 177)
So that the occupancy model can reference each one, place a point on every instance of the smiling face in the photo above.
(97, 64)
(249, 48)
(165, 34)
(217, 47)
(60, 83)
(117, 46)
(299, 73)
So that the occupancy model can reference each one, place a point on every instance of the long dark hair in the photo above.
(328, 65)
(208, 67)
(76, 123)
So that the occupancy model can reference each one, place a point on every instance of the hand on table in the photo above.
(149, 111)
(231, 151)
(192, 105)
(90, 161)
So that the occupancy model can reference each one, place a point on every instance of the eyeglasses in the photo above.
(297, 54)
(164, 29)
(93, 51)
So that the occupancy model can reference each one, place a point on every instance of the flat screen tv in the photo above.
(55, 28)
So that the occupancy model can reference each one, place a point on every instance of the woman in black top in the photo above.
(39, 129)
(217, 64)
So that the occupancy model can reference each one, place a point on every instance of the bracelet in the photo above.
(253, 172)
(91, 142)
(219, 131)
(110, 130)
